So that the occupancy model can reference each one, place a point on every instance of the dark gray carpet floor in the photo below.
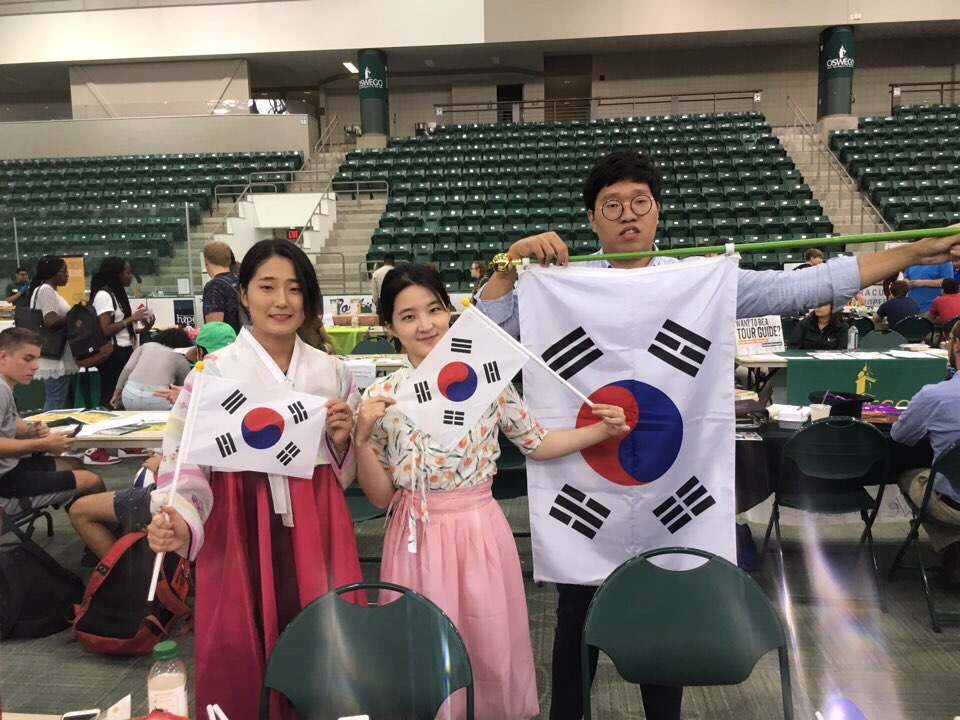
(892, 665)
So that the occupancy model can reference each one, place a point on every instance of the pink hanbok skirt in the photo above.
(466, 562)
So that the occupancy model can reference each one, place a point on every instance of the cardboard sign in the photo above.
(873, 296)
(759, 335)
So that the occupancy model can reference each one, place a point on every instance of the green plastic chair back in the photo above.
(373, 346)
(338, 659)
(915, 328)
(705, 626)
(863, 325)
(882, 341)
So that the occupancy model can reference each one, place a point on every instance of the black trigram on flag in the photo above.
(298, 412)
(461, 345)
(226, 445)
(581, 513)
(234, 401)
(491, 371)
(572, 353)
(679, 347)
(675, 512)
(422, 389)
(289, 452)
(453, 417)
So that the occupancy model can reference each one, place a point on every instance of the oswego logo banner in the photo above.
(841, 61)
(368, 83)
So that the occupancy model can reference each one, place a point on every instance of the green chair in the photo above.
(915, 328)
(824, 468)
(373, 346)
(705, 626)
(948, 465)
(338, 659)
(882, 341)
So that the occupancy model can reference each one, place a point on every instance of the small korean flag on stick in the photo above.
(270, 431)
(460, 378)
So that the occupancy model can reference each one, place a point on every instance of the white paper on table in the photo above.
(764, 357)
(935, 352)
(828, 356)
(154, 416)
(867, 355)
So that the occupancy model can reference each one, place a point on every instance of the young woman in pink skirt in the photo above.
(447, 537)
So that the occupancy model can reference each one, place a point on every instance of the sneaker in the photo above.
(99, 456)
(132, 452)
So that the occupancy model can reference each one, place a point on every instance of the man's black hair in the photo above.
(616, 167)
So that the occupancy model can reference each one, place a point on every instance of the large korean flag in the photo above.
(268, 430)
(657, 342)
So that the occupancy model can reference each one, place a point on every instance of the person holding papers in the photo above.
(447, 537)
(265, 544)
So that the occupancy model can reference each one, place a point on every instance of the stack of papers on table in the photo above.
(127, 424)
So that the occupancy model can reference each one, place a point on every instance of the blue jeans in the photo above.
(55, 392)
(140, 397)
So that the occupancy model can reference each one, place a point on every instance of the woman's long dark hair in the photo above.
(305, 271)
(47, 267)
(108, 278)
(173, 338)
(835, 319)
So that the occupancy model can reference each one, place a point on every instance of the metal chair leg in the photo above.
(766, 536)
(876, 571)
(49, 519)
(782, 569)
(912, 535)
(934, 620)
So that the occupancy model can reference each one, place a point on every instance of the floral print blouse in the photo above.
(414, 462)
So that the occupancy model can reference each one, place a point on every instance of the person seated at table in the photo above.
(822, 329)
(934, 412)
(898, 307)
(153, 366)
(813, 256)
(212, 337)
(947, 305)
(30, 477)
(102, 518)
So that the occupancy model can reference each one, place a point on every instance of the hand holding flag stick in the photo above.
(529, 353)
(184, 446)
(503, 262)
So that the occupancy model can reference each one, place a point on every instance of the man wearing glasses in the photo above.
(622, 199)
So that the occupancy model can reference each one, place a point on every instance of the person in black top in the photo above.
(221, 296)
(899, 306)
(822, 329)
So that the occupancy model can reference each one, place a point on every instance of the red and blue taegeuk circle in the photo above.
(261, 428)
(650, 448)
(457, 381)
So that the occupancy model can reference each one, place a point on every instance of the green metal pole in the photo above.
(778, 244)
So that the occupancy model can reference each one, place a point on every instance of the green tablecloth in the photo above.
(890, 379)
(345, 339)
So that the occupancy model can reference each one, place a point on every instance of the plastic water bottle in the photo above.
(167, 681)
(853, 338)
(355, 320)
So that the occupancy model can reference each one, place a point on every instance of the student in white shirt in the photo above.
(108, 291)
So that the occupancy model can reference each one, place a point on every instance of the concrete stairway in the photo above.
(357, 218)
(171, 269)
(845, 209)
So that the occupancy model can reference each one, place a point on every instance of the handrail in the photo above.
(897, 90)
(324, 136)
(591, 105)
(834, 166)
(343, 267)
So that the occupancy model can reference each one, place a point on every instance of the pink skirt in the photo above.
(466, 562)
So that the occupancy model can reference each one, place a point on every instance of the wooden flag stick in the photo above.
(471, 308)
(184, 445)
(503, 262)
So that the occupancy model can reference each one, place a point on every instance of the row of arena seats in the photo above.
(908, 164)
(129, 205)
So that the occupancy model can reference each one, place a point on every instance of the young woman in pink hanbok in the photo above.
(265, 545)
(447, 537)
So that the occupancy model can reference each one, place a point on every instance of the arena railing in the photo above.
(921, 93)
(838, 178)
(596, 108)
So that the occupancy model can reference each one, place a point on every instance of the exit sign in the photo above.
(293, 234)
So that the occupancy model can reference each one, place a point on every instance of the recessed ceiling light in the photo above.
(351, 67)
(429, 63)
(566, 82)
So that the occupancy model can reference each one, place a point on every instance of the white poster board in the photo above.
(760, 335)
(873, 296)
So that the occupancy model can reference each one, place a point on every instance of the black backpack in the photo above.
(36, 592)
(87, 343)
